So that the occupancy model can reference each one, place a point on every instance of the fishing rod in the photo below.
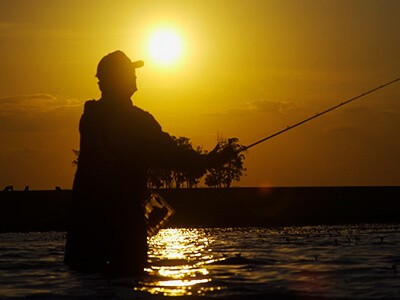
(320, 114)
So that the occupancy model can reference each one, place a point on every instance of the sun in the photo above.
(165, 47)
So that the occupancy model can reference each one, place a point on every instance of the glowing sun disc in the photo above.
(165, 47)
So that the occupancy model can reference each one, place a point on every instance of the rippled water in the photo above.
(354, 262)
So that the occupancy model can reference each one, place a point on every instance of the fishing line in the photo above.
(320, 114)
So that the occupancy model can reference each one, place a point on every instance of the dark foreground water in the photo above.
(323, 262)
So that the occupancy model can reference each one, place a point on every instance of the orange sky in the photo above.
(248, 69)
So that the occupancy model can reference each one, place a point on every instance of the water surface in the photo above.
(356, 262)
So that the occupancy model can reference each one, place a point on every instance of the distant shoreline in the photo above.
(221, 207)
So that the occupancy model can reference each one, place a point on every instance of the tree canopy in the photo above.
(231, 171)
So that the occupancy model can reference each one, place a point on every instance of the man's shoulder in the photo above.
(89, 105)
(143, 116)
(140, 111)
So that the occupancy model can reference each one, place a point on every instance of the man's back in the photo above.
(119, 143)
(117, 148)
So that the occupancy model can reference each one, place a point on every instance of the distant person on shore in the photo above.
(119, 142)
(8, 188)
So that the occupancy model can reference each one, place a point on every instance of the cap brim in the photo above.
(138, 64)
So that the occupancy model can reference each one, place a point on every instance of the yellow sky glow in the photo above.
(234, 68)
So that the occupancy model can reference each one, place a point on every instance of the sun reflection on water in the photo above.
(178, 263)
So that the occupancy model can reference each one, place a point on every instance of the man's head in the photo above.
(116, 74)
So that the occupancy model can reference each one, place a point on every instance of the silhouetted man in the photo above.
(119, 143)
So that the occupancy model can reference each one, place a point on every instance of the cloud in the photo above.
(37, 133)
(372, 112)
(278, 108)
(33, 103)
(270, 106)
(37, 113)
(43, 102)
(372, 125)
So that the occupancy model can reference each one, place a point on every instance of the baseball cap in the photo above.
(116, 63)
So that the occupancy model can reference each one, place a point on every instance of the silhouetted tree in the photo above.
(232, 171)
(154, 179)
(158, 178)
(192, 180)
(179, 176)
